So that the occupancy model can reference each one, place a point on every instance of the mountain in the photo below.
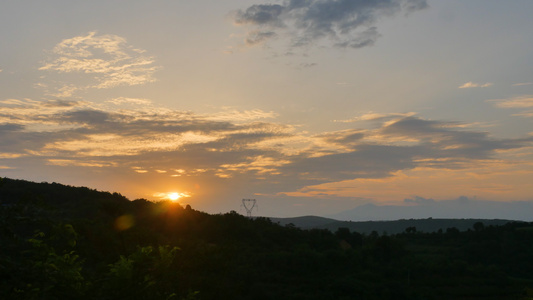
(304, 222)
(420, 208)
(389, 227)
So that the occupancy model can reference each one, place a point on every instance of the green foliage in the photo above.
(143, 274)
(43, 272)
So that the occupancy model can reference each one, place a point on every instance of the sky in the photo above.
(311, 107)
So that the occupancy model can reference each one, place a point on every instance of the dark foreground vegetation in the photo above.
(61, 242)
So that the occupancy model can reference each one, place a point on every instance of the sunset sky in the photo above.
(308, 106)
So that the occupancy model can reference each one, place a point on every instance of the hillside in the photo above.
(304, 222)
(62, 242)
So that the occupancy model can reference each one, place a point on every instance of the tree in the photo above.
(479, 226)
(411, 229)
(47, 273)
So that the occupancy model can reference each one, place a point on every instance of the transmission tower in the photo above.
(249, 205)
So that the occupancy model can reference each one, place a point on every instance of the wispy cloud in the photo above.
(234, 115)
(523, 83)
(517, 102)
(471, 84)
(525, 103)
(343, 24)
(98, 61)
(374, 116)
(87, 163)
(256, 37)
(130, 101)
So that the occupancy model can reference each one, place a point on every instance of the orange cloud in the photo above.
(105, 61)
(475, 85)
(488, 180)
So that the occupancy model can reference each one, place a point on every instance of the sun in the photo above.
(174, 196)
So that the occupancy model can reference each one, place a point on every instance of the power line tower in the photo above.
(249, 205)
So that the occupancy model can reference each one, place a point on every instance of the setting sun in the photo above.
(174, 196)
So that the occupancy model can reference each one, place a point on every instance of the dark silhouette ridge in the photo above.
(62, 242)
(427, 225)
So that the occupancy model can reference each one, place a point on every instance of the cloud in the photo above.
(446, 140)
(505, 177)
(522, 102)
(259, 164)
(373, 116)
(230, 114)
(84, 129)
(397, 146)
(130, 101)
(471, 84)
(344, 138)
(365, 38)
(10, 127)
(517, 102)
(258, 37)
(248, 147)
(38, 116)
(307, 65)
(98, 61)
(366, 161)
(87, 163)
(523, 83)
(342, 23)
(260, 14)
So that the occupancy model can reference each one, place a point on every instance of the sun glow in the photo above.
(174, 196)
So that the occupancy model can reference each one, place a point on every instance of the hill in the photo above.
(304, 222)
(461, 208)
(390, 227)
(63, 242)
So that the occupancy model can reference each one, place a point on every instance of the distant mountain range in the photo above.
(427, 215)
(389, 227)
(421, 208)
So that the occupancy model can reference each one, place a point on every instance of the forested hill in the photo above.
(47, 197)
(61, 242)
(390, 227)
